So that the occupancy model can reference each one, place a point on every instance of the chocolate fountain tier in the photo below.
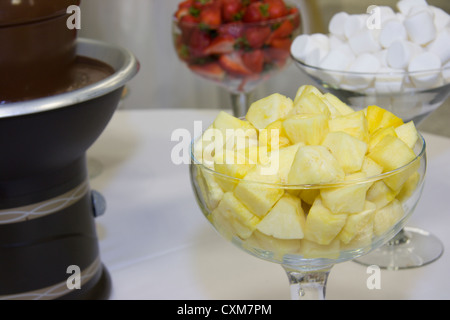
(47, 209)
(37, 48)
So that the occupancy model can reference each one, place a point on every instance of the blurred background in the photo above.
(144, 27)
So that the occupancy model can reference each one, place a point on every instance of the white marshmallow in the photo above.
(335, 42)
(441, 46)
(421, 28)
(315, 57)
(302, 46)
(392, 30)
(355, 24)
(321, 40)
(398, 55)
(364, 42)
(389, 81)
(337, 23)
(441, 18)
(386, 14)
(337, 60)
(404, 6)
(363, 70)
(382, 57)
(424, 67)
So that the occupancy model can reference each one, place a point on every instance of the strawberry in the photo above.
(232, 63)
(284, 30)
(254, 60)
(234, 29)
(210, 70)
(198, 42)
(221, 45)
(257, 36)
(276, 8)
(232, 10)
(210, 15)
(255, 12)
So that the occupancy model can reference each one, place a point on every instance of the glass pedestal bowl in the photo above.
(413, 96)
(299, 232)
(238, 56)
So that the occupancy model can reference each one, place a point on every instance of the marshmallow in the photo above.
(364, 42)
(321, 40)
(382, 57)
(354, 25)
(335, 42)
(337, 23)
(337, 60)
(302, 46)
(315, 57)
(400, 53)
(441, 46)
(425, 68)
(441, 18)
(363, 70)
(389, 81)
(392, 30)
(386, 14)
(420, 27)
(404, 6)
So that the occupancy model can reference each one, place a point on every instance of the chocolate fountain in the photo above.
(57, 95)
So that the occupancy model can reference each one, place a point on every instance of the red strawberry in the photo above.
(211, 71)
(283, 31)
(255, 12)
(276, 8)
(232, 10)
(211, 15)
(233, 64)
(234, 29)
(257, 36)
(254, 60)
(198, 42)
(221, 45)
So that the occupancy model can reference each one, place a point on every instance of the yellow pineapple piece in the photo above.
(268, 110)
(322, 226)
(313, 250)
(259, 198)
(233, 218)
(274, 136)
(205, 146)
(311, 103)
(386, 217)
(362, 239)
(357, 222)
(309, 195)
(370, 168)
(408, 134)
(309, 129)
(409, 187)
(279, 247)
(348, 150)
(392, 153)
(380, 118)
(210, 189)
(341, 108)
(314, 165)
(350, 198)
(286, 220)
(281, 160)
(355, 124)
(304, 90)
(231, 164)
(378, 135)
(380, 194)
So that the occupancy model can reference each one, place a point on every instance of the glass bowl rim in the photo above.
(248, 24)
(378, 177)
(394, 72)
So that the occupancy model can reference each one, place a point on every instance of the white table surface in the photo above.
(157, 245)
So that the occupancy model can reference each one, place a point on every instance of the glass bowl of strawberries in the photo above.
(235, 43)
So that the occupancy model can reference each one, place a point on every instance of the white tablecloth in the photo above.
(156, 244)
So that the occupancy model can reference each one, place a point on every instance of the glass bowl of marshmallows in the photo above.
(397, 59)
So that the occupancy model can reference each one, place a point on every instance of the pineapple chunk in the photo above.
(392, 153)
(346, 199)
(386, 217)
(380, 118)
(231, 217)
(282, 160)
(370, 168)
(232, 165)
(311, 103)
(357, 222)
(409, 187)
(408, 134)
(276, 247)
(286, 220)
(380, 194)
(304, 90)
(342, 108)
(210, 189)
(313, 250)
(233, 129)
(259, 198)
(314, 165)
(310, 129)
(355, 124)
(378, 135)
(322, 226)
(348, 151)
(204, 148)
(268, 110)
(362, 239)
(274, 136)
(309, 195)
